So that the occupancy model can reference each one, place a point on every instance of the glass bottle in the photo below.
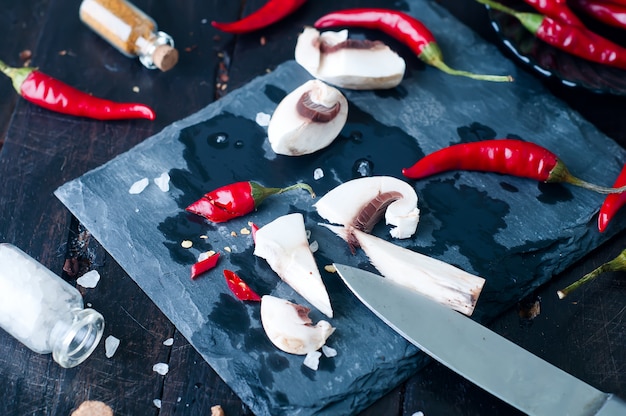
(130, 31)
(43, 311)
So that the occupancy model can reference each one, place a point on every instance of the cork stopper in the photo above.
(165, 57)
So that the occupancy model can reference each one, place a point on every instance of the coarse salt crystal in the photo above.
(89, 279)
(420, 413)
(186, 244)
(318, 174)
(168, 342)
(161, 368)
(328, 351)
(139, 186)
(163, 182)
(157, 403)
(312, 360)
(110, 346)
(314, 246)
(262, 119)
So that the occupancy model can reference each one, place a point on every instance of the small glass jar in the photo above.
(130, 31)
(43, 311)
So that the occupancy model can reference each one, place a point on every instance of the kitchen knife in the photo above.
(490, 361)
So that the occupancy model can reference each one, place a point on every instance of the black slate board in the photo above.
(514, 232)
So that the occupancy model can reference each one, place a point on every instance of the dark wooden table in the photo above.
(40, 150)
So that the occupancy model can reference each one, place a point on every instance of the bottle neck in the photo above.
(151, 51)
(73, 342)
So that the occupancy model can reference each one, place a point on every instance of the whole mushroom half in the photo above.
(357, 64)
(361, 203)
(307, 119)
(289, 327)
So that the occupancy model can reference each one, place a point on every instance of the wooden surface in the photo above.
(41, 150)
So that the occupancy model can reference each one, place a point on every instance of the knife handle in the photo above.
(614, 406)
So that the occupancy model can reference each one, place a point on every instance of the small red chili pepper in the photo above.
(556, 9)
(204, 266)
(271, 12)
(505, 156)
(236, 200)
(612, 203)
(240, 288)
(403, 28)
(608, 12)
(576, 40)
(254, 229)
(52, 94)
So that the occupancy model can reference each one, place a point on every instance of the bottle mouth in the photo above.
(80, 340)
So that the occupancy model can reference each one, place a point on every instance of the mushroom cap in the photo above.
(353, 64)
(289, 327)
(361, 202)
(293, 131)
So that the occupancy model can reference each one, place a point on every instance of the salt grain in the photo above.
(318, 174)
(244, 231)
(186, 244)
(168, 342)
(89, 279)
(312, 360)
(157, 403)
(161, 368)
(163, 182)
(139, 186)
(263, 119)
(329, 352)
(110, 346)
(314, 246)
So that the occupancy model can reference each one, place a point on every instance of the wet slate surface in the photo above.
(500, 227)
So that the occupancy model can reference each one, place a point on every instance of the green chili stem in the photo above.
(17, 75)
(432, 56)
(617, 264)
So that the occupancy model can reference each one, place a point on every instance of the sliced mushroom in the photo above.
(361, 203)
(349, 63)
(436, 279)
(289, 327)
(283, 244)
(307, 119)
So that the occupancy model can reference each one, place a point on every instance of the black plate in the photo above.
(552, 62)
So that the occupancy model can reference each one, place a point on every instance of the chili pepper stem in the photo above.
(617, 264)
(17, 75)
(432, 56)
(259, 192)
(530, 21)
(561, 174)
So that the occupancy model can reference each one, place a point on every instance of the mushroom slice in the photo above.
(349, 63)
(283, 244)
(307, 119)
(289, 327)
(436, 279)
(361, 203)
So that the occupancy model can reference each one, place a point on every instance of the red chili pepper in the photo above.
(236, 200)
(556, 9)
(52, 94)
(403, 28)
(607, 12)
(612, 203)
(240, 288)
(254, 229)
(204, 266)
(506, 156)
(575, 40)
(271, 12)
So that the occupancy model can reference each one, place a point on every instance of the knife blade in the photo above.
(483, 357)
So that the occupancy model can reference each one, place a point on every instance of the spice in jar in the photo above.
(131, 31)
